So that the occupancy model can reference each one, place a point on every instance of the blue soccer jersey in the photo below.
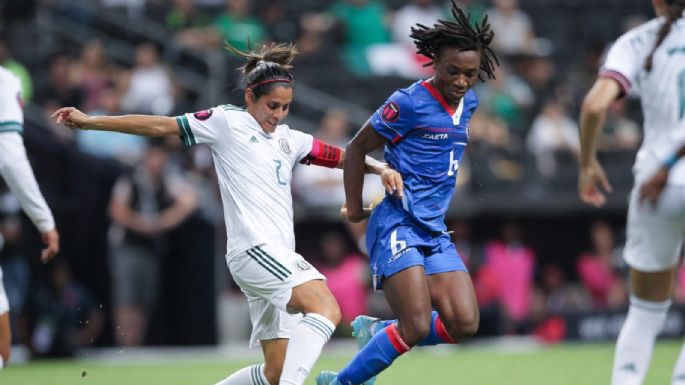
(427, 139)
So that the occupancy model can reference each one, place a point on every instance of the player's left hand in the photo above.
(51, 241)
(592, 183)
(392, 181)
(651, 190)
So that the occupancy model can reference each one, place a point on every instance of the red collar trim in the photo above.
(438, 96)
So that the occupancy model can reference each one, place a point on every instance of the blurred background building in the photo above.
(543, 263)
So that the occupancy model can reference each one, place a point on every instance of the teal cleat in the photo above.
(363, 329)
(327, 378)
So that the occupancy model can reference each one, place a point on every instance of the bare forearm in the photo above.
(353, 176)
(176, 214)
(143, 125)
(590, 124)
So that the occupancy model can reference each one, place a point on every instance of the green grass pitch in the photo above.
(568, 364)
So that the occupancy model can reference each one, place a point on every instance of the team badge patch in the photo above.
(391, 112)
(203, 115)
(303, 265)
(284, 145)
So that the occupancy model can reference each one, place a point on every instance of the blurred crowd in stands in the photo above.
(129, 275)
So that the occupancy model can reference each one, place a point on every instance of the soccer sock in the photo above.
(679, 369)
(252, 375)
(378, 354)
(438, 333)
(636, 340)
(306, 342)
(2, 363)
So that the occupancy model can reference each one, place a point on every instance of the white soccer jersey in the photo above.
(14, 165)
(254, 169)
(662, 91)
(11, 114)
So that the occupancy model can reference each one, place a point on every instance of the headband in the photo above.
(283, 80)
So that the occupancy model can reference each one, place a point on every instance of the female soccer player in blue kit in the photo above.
(425, 131)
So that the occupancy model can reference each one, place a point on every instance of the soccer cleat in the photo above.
(363, 329)
(327, 378)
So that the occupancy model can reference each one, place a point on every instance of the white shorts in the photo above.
(4, 303)
(655, 234)
(267, 274)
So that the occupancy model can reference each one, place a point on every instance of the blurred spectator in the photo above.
(597, 269)
(15, 265)
(346, 275)
(18, 69)
(184, 14)
(513, 28)
(279, 27)
(507, 97)
(126, 149)
(62, 315)
(323, 187)
(511, 265)
(474, 8)
(621, 133)
(552, 299)
(92, 73)
(236, 26)
(134, 8)
(58, 90)
(149, 87)
(362, 24)
(494, 151)
(424, 12)
(145, 206)
(553, 134)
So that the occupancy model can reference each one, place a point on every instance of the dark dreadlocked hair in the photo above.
(459, 34)
(266, 68)
(675, 12)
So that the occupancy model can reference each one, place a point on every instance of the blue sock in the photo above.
(437, 336)
(377, 355)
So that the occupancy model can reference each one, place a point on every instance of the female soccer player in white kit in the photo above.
(16, 171)
(254, 156)
(650, 59)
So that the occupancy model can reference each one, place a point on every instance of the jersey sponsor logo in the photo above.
(284, 145)
(203, 115)
(302, 265)
(435, 136)
(391, 112)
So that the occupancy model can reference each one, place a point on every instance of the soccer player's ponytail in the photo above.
(460, 34)
(675, 12)
(266, 68)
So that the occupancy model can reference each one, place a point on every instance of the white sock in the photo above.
(2, 363)
(304, 348)
(252, 375)
(636, 340)
(679, 369)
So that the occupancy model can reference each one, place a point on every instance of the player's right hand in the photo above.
(651, 190)
(592, 184)
(70, 117)
(51, 241)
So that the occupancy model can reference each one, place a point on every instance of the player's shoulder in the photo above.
(642, 35)
(8, 77)
(471, 99)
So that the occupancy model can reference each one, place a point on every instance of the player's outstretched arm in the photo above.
(366, 140)
(144, 125)
(592, 180)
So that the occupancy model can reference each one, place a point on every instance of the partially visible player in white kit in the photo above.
(650, 60)
(254, 156)
(16, 171)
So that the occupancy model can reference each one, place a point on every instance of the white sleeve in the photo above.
(201, 126)
(303, 144)
(17, 173)
(625, 60)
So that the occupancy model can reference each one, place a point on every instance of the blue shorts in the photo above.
(395, 242)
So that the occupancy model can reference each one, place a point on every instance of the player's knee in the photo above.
(464, 328)
(272, 372)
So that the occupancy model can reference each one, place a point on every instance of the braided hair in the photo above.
(675, 12)
(459, 34)
(266, 68)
